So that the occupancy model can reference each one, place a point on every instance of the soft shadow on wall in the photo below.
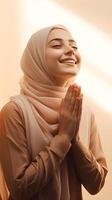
(98, 13)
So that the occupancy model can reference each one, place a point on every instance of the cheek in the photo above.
(53, 54)
(50, 60)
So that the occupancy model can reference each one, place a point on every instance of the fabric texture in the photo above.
(3, 188)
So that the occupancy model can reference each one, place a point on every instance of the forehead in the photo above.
(59, 33)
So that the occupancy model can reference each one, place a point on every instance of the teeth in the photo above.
(68, 61)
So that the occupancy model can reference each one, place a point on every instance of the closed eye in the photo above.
(75, 47)
(57, 46)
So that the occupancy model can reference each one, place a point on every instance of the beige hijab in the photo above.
(38, 85)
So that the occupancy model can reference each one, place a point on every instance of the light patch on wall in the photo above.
(96, 89)
(96, 46)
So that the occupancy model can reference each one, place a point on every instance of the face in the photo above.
(62, 56)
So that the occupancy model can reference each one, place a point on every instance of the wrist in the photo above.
(76, 140)
(65, 135)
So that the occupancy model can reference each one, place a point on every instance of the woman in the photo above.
(49, 139)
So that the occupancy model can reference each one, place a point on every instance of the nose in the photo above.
(69, 50)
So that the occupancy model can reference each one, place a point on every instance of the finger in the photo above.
(72, 98)
(77, 106)
(67, 100)
(72, 102)
(77, 91)
(80, 108)
(73, 91)
(75, 109)
(78, 87)
(68, 93)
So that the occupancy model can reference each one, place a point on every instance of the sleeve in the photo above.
(26, 177)
(90, 163)
(3, 188)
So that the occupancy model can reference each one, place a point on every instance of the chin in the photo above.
(75, 71)
(70, 75)
(71, 72)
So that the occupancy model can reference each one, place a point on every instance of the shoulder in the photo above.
(11, 110)
(11, 120)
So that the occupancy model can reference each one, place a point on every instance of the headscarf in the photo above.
(37, 83)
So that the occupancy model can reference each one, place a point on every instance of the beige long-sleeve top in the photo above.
(81, 163)
(3, 187)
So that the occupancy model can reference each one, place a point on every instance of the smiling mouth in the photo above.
(68, 61)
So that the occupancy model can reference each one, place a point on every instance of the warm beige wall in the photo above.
(9, 48)
(20, 18)
(96, 12)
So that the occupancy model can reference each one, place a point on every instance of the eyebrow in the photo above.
(59, 39)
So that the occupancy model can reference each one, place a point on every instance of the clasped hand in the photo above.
(70, 112)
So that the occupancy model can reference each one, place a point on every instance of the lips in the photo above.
(68, 60)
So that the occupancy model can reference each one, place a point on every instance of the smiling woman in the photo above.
(49, 140)
(62, 56)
